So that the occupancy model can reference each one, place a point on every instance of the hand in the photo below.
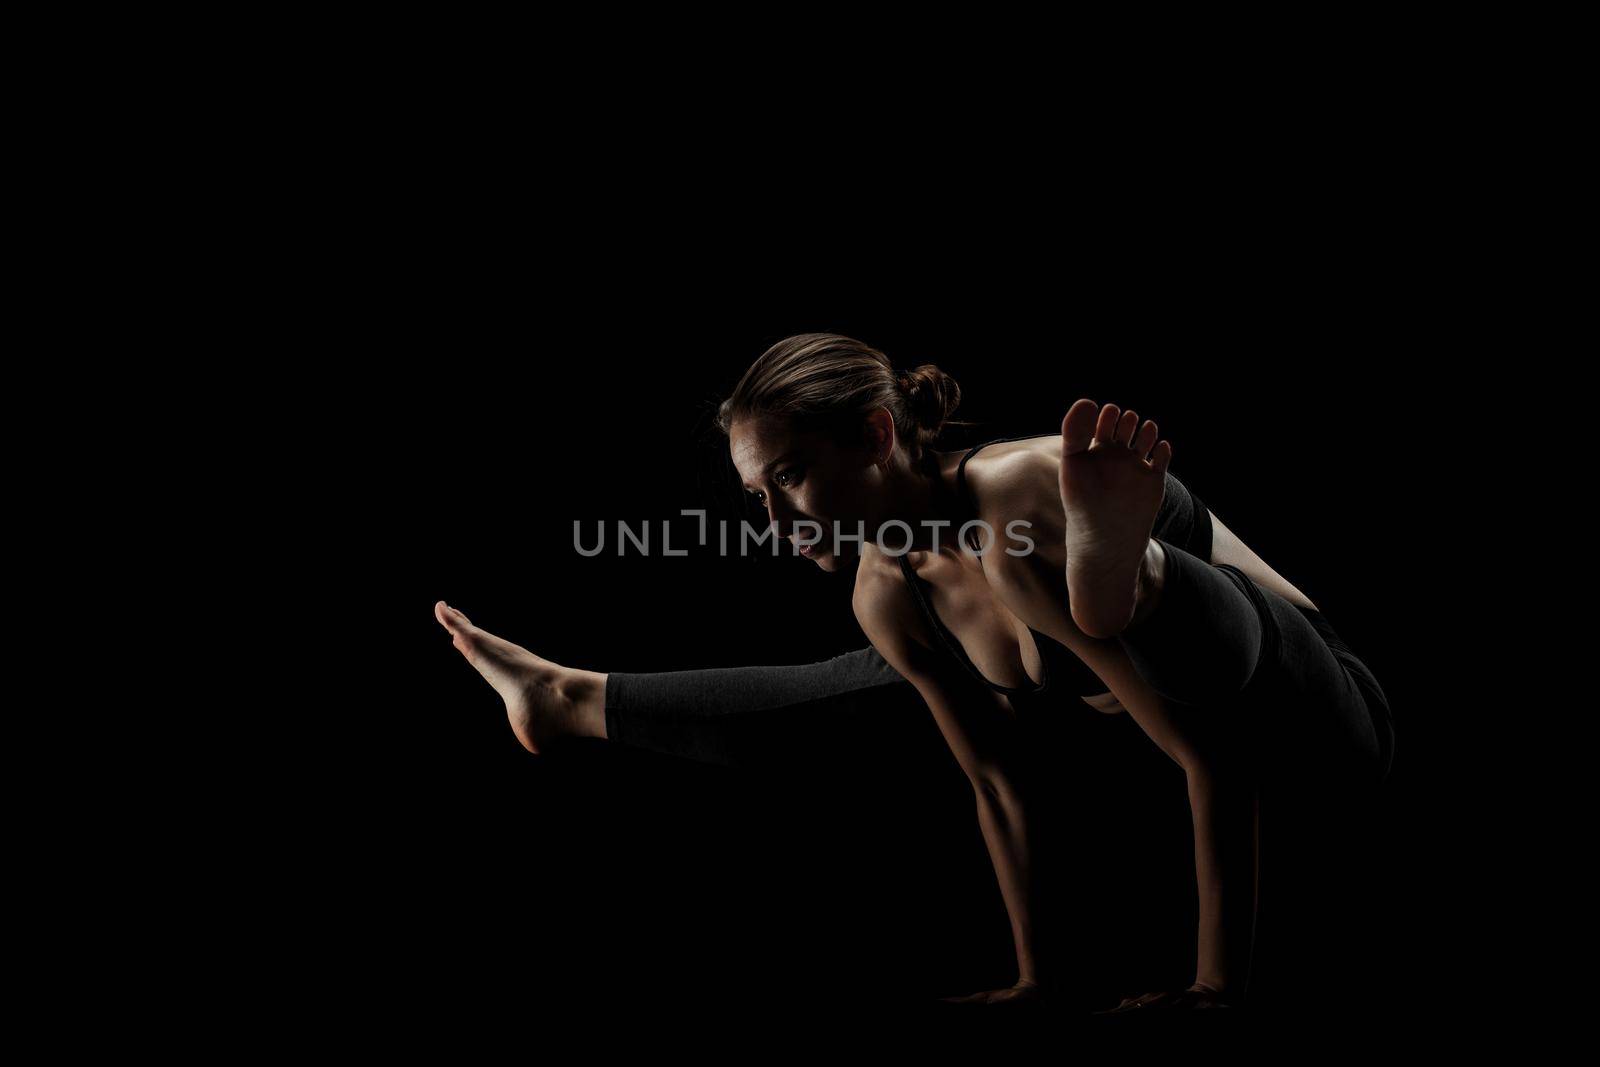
(1025, 991)
(1197, 997)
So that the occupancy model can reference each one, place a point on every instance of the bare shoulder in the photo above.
(1015, 490)
(1020, 482)
(888, 616)
(1017, 480)
(1017, 493)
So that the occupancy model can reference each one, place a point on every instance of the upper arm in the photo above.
(976, 722)
(1033, 586)
(1026, 486)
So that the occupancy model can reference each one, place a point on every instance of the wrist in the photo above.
(1215, 987)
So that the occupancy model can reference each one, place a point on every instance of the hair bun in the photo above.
(932, 394)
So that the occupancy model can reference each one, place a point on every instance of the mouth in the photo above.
(807, 551)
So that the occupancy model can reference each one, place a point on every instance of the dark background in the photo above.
(841, 861)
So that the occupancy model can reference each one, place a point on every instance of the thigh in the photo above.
(1319, 727)
(1313, 721)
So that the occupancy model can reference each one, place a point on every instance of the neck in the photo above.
(921, 494)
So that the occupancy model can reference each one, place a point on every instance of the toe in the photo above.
(1105, 429)
(1161, 457)
(1077, 429)
(1126, 426)
(450, 618)
(1146, 439)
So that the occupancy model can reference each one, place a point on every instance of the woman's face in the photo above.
(797, 475)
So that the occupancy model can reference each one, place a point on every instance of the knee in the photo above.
(1223, 665)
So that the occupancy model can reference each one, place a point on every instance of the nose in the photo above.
(778, 519)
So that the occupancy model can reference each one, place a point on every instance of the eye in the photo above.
(784, 479)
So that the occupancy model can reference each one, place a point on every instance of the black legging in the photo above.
(1317, 726)
(1215, 638)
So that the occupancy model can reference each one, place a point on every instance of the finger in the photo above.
(1206, 998)
(1137, 1003)
(1194, 1000)
(1162, 1001)
(1125, 1004)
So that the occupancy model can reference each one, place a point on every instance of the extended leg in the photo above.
(734, 715)
(719, 715)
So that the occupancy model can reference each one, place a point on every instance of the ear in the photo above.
(878, 435)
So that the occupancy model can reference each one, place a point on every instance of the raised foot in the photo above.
(544, 700)
(1113, 474)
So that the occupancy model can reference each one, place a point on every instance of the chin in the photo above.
(827, 561)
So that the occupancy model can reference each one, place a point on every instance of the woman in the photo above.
(1013, 575)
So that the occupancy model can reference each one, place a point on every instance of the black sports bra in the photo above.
(1179, 520)
(953, 646)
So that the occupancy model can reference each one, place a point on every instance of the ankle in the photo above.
(586, 692)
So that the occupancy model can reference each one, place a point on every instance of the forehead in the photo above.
(755, 441)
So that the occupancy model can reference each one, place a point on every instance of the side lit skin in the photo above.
(988, 604)
(1024, 480)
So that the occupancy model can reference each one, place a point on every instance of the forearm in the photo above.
(1222, 799)
(1003, 818)
(1222, 802)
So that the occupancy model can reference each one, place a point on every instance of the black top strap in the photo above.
(916, 583)
(953, 646)
(1182, 519)
(961, 473)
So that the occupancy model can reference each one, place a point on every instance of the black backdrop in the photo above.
(842, 863)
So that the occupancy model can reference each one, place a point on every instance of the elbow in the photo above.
(992, 785)
(1207, 766)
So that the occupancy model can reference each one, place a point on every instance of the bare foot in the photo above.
(1112, 480)
(544, 700)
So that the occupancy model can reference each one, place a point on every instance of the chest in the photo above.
(997, 643)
